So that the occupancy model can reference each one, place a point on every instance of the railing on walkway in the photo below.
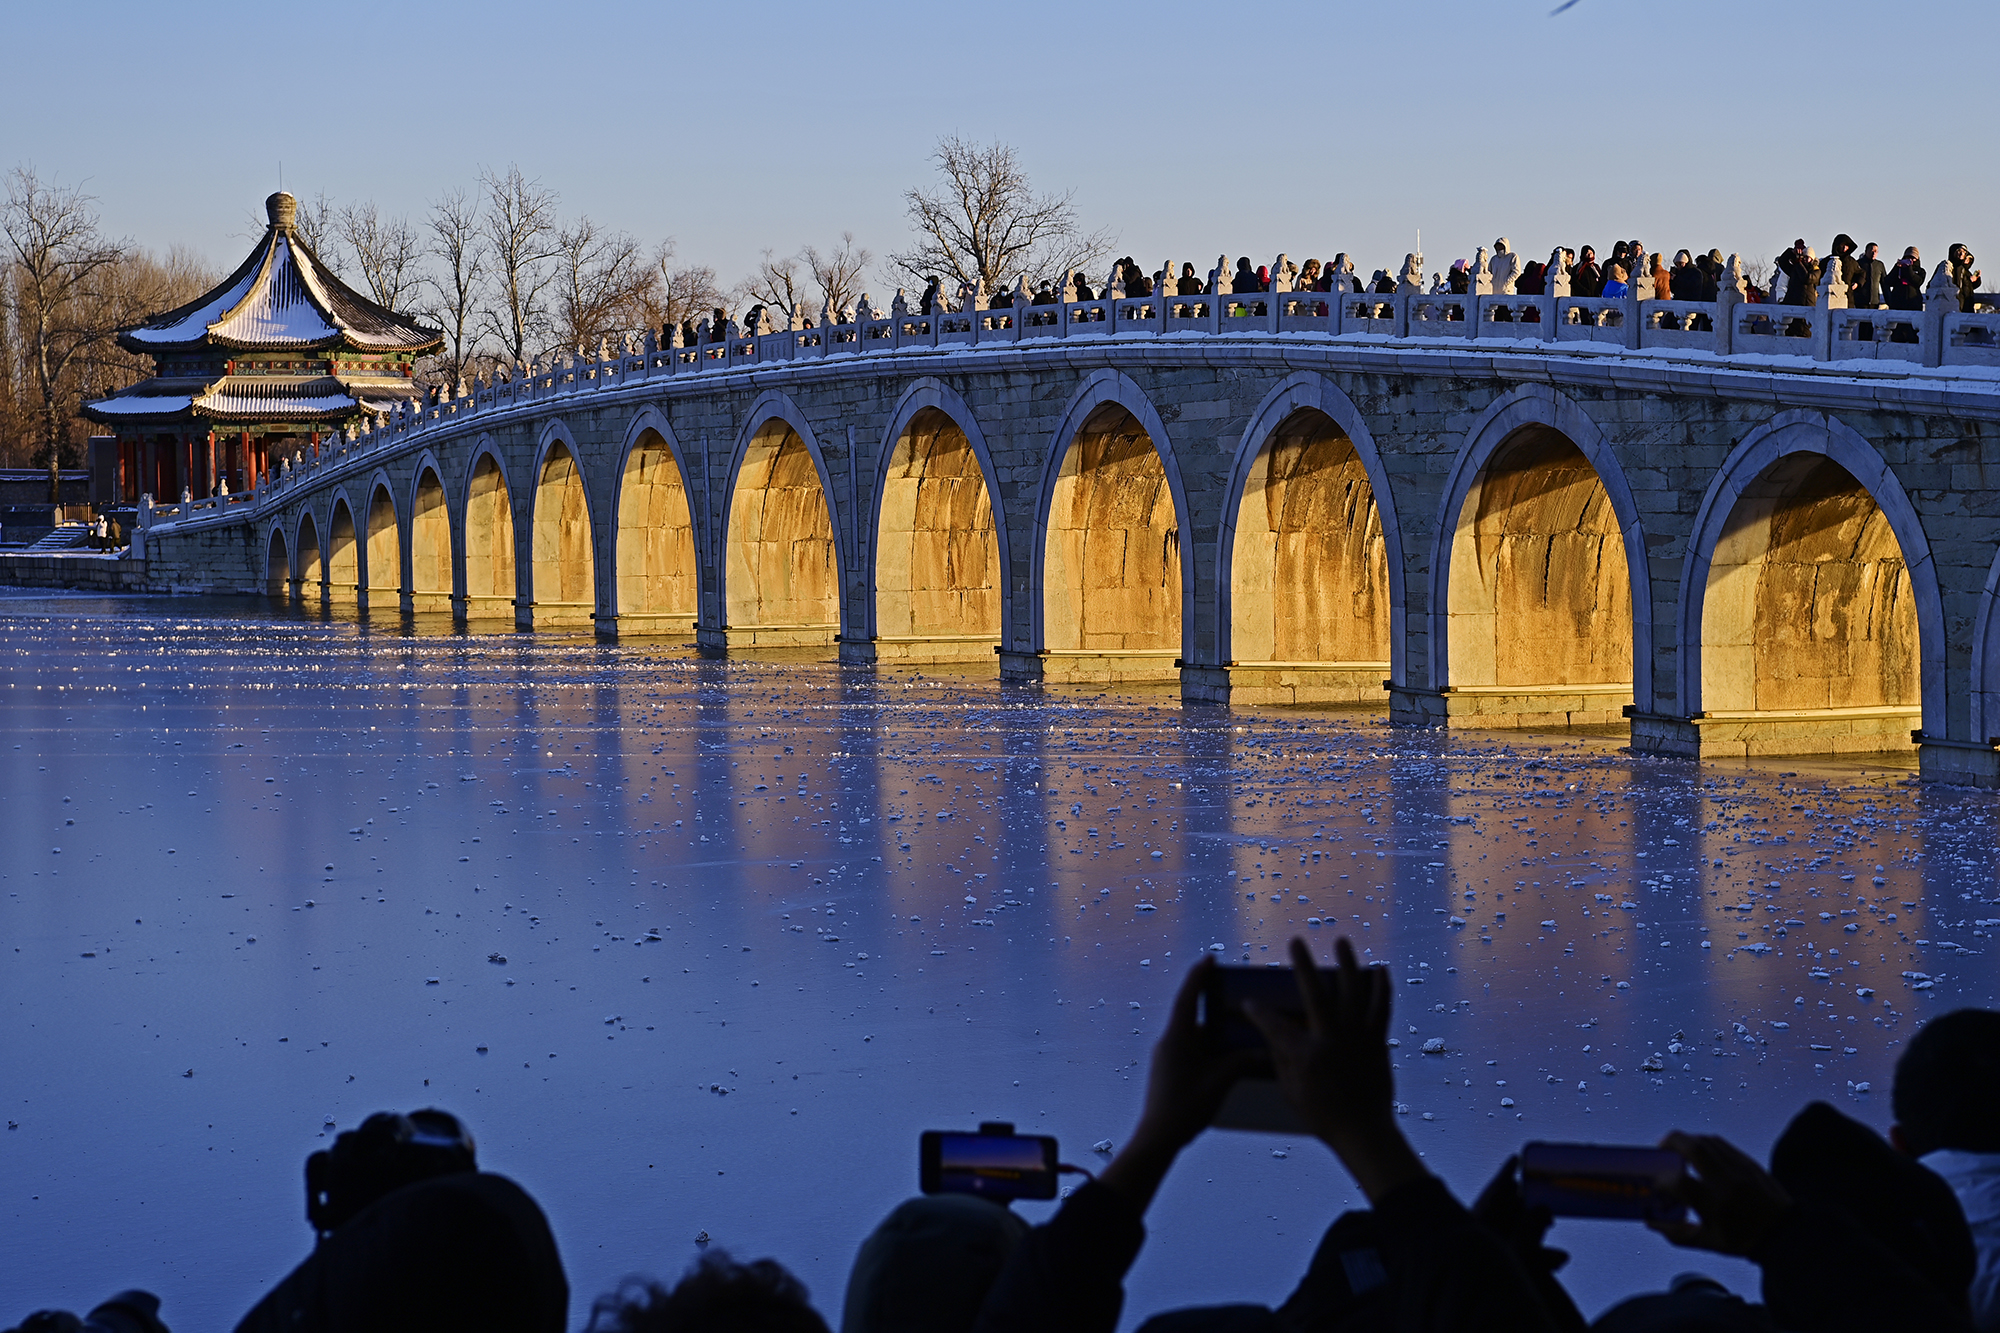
(1727, 329)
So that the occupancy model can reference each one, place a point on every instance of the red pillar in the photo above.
(208, 474)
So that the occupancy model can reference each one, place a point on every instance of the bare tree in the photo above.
(521, 241)
(683, 293)
(384, 249)
(777, 283)
(314, 224)
(60, 259)
(459, 258)
(603, 278)
(985, 223)
(838, 273)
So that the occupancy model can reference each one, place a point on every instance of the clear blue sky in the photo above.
(1186, 129)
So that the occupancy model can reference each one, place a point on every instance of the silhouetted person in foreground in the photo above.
(414, 1238)
(1947, 1105)
(1416, 1260)
(930, 1265)
(718, 1295)
(1852, 1237)
(127, 1312)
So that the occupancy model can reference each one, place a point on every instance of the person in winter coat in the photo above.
(1871, 276)
(1246, 279)
(1842, 252)
(1615, 286)
(1801, 270)
(1663, 283)
(1585, 278)
(1460, 279)
(1684, 278)
(1903, 289)
(1533, 280)
(1190, 284)
(1964, 276)
(1083, 292)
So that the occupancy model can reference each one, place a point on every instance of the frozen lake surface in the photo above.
(702, 946)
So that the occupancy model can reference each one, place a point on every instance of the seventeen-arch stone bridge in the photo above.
(1745, 537)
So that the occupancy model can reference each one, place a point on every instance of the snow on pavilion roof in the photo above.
(282, 298)
(251, 398)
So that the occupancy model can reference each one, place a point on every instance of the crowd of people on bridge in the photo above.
(1796, 278)
(1851, 1230)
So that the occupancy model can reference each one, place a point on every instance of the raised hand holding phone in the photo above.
(1334, 1066)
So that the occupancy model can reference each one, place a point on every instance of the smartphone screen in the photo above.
(1591, 1180)
(996, 1166)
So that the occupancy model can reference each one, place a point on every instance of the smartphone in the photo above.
(1592, 1180)
(1254, 1102)
(994, 1163)
(1230, 985)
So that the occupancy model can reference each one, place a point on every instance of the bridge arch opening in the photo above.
(312, 583)
(343, 556)
(1809, 638)
(658, 573)
(565, 571)
(489, 543)
(783, 577)
(430, 546)
(937, 551)
(1540, 603)
(1111, 574)
(1309, 572)
(278, 567)
(384, 553)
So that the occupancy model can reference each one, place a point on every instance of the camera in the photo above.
(388, 1151)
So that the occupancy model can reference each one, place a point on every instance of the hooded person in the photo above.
(1964, 276)
(928, 1267)
(1190, 282)
(1245, 279)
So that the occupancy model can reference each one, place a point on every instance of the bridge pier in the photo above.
(1963, 763)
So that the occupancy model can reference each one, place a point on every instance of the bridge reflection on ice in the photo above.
(679, 936)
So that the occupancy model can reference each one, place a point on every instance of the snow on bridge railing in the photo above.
(1938, 336)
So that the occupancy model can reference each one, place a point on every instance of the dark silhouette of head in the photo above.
(928, 1267)
(716, 1295)
(1947, 1092)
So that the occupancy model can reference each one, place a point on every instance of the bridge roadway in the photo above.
(1743, 538)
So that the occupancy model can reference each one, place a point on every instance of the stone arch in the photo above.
(382, 548)
(938, 548)
(430, 539)
(656, 554)
(490, 585)
(312, 567)
(1807, 538)
(1111, 608)
(1541, 612)
(343, 553)
(277, 564)
(1309, 565)
(781, 547)
(563, 573)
